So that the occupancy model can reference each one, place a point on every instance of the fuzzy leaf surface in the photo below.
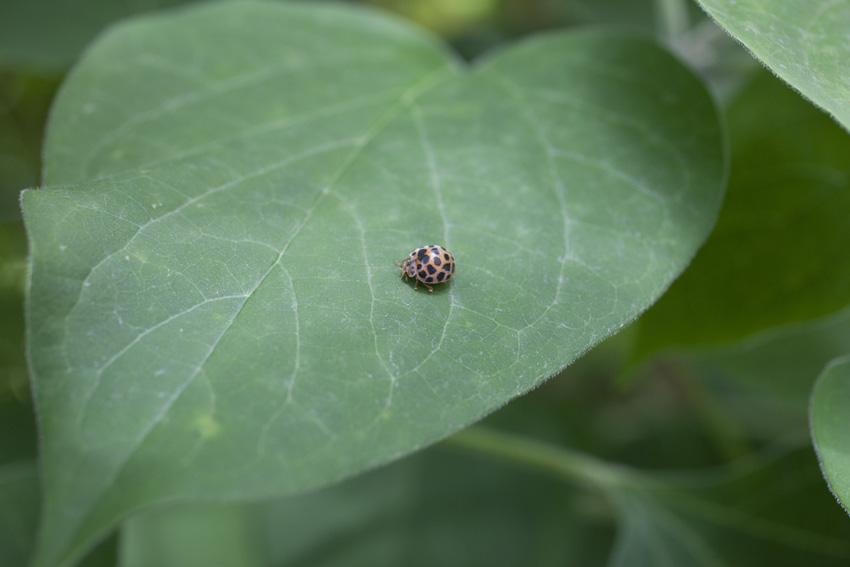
(806, 44)
(830, 424)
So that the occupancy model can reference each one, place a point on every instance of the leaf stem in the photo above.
(560, 462)
(671, 19)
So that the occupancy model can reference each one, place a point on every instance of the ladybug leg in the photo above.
(426, 285)
(403, 274)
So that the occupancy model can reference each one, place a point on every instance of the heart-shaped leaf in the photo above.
(214, 309)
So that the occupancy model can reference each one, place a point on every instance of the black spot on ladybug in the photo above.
(447, 256)
(440, 276)
(437, 262)
(431, 269)
(422, 274)
(429, 279)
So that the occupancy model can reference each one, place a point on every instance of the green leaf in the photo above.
(750, 508)
(765, 382)
(784, 361)
(803, 43)
(777, 254)
(214, 309)
(448, 507)
(441, 507)
(224, 536)
(748, 511)
(830, 423)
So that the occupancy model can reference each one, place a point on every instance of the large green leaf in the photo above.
(804, 43)
(777, 254)
(214, 310)
(830, 425)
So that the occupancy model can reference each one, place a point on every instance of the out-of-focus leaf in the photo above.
(438, 508)
(213, 536)
(830, 426)
(768, 508)
(751, 512)
(765, 381)
(778, 253)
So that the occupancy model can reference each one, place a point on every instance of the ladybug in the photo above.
(430, 264)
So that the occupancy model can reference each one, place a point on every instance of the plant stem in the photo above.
(671, 19)
(560, 462)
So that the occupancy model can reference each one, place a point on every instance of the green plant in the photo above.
(214, 315)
